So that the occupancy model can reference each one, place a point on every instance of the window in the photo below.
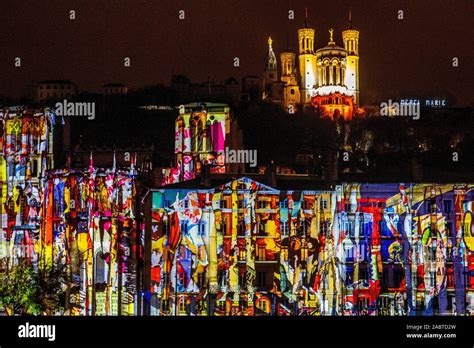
(261, 278)
(166, 279)
(466, 228)
(262, 305)
(223, 229)
(242, 254)
(165, 305)
(262, 205)
(183, 252)
(363, 274)
(447, 205)
(323, 204)
(100, 268)
(222, 278)
(183, 278)
(23, 208)
(292, 91)
(182, 306)
(240, 204)
(242, 279)
(284, 204)
(348, 281)
(242, 305)
(202, 252)
(303, 227)
(284, 228)
(56, 206)
(186, 204)
(224, 204)
(307, 205)
(201, 280)
(241, 228)
(261, 252)
(202, 229)
(449, 228)
(450, 278)
(304, 253)
(221, 305)
(184, 227)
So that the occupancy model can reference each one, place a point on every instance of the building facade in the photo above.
(53, 90)
(244, 248)
(26, 155)
(82, 220)
(203, 131)
(114, 89)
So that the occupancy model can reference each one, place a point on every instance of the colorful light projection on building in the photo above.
(26, 144)
(89, 225)
(377, 249)
(83, 220)
(200, 139)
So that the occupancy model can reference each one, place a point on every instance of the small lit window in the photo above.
(284, 228)
(202, 229)
(324, 204)
(165, 305)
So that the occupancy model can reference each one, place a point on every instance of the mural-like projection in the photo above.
(362, 249)
(81, 220)
(90, 227)
(200, 139)
(26, 143)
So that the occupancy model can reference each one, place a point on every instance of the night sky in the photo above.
(397, 57)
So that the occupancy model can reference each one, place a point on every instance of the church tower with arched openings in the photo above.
(326, 79)
(350, 38)
(291, 89)
(307, 61)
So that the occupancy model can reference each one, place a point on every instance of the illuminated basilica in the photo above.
(326, 78)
